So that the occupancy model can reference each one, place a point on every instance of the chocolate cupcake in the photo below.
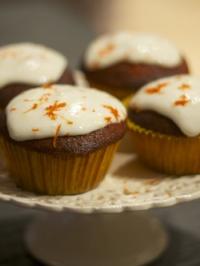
(61, 139)
(165, 124)
(26, 65)
(121, 63)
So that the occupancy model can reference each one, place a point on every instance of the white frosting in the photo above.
(132, 47)
(177, 98)
(30, 63)
(76, 111)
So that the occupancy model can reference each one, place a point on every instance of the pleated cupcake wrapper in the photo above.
(56, 174)
(120, 93)
(169, 154)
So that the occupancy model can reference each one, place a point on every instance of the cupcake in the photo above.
(121, 63)
(61, 139)
(165, 124)
(26, 65)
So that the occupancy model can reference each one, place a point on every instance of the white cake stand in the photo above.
(96, 227)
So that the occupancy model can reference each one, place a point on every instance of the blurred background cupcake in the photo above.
(26, 65)
(122, 62)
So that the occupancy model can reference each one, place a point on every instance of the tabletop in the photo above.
(59, 24)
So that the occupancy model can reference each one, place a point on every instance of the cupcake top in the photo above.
(61, 110)
(131, 47)
(177, 98)
(30, 63)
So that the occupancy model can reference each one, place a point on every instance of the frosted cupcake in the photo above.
(122, 62)
(165, 124)
(61, 139)
(26, 65)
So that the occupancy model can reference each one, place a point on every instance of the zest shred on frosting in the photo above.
(177, 98)
(61, 110)
(30, 63)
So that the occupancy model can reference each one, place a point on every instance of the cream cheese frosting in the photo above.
(177, 98)
(30, 63)
(131, 47)
(59, 110)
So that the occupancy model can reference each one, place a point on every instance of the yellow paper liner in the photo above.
(120, 93)
(169, 154)
(56, 174)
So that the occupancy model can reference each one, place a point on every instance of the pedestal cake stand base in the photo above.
(120, 239)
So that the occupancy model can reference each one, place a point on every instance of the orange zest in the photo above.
(44, 97)
(182, 101)
(156, 89)
(56, 135)
(52, 109)
(184, 86)
(34, 106)
(108, 49)
(113, 111)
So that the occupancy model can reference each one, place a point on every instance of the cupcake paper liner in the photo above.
(59, 174)
(169, 154)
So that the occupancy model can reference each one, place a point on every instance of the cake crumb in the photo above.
(152, 181)
(100, 197)
(126, 191)
(47, 85)
(108, 119)
(35, 129)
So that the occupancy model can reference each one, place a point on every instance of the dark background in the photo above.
(64, 25)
